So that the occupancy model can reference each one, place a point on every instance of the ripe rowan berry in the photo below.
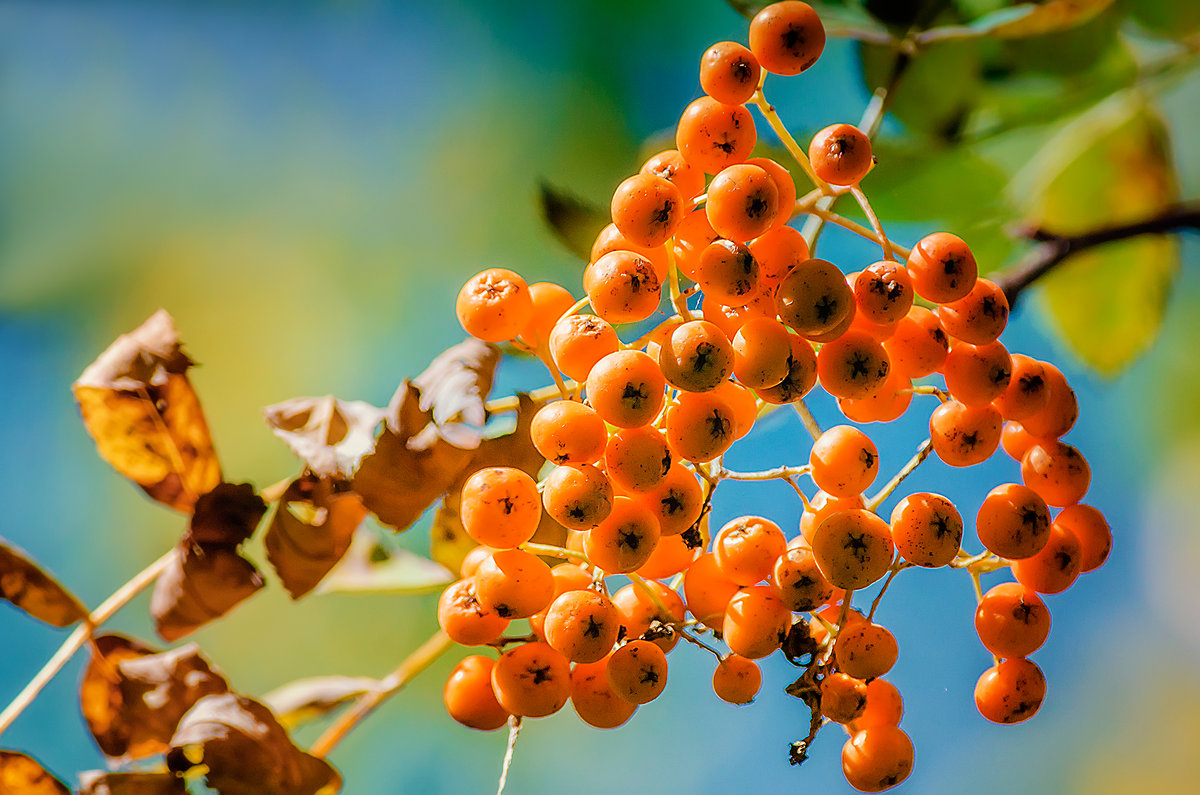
(670, 165)
(1016, 440)
(1026, 392)
(853, 548)
(1091, 529)
(494, 305)
(779, 250)
(756, 622)
(622, 287)
(979, 317)
(676, 501)
(626, 389)
(647, 208)
(577, 497)
(464, 619)
(761, 353)
(610, 239)
(1012, 620)
(964, 435)
(532, 680)
(637, 459)
(1055, 567)
(927, 529)
(884, 707)
(853, 366)
(977, 374)
(743, 403)
(594, 699)
(468, 695)
(696, 357)
(1011, 691)
(786, 187)
(712, 135)
(746, 549)
(671, 555)
(1061, 409)
(514, 583)
(550, 301)
(736, 680)
(843, 461)
(567, 577)
(624, 539)
(801, 374)
(942, 268)
(700, 426)
(694, 235)
(472, 560)
(877, 758)
(1013, 522)
(727, 273)
(1057, 472)
(731, 318)
(787, 37)
(582, 625)
(707, 591)
(886, 405)
(883, 292)
(813, 297)
(841, 154)
(567, 432)
(577, 342)
(797, 580)
(743, 202)
(919, 345)
(843, 697)
(865, 650)
(500, 507)
(823, 506)
(637, 671)
(638, 605)
(729, 73)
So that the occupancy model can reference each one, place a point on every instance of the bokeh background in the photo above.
(304, 186)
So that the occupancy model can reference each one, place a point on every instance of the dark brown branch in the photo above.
(1052, 249)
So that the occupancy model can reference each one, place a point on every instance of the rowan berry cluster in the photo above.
(636, 442)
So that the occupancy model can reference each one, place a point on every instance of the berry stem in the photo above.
(563, 392)
(806, 417)
(827, 215)
(861, 198)
(695, 641)
(424, 656)
(514, 731)
(923, 451)
(81, 635)
(898, 566)
(772, 116)
(780, 472)
(512, 402)
(677, 299)
(930, 389)
(558, 552)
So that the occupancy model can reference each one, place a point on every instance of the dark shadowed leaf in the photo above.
(242, 750)
(200, 585)
(98, 782)
(331, 436)
(140, 408)
(226, 515)
(23, 583)
(22, 775)
(1033, 19)
(311, 531)
(133, 698)
(370, 567)
(307, 699)
(574, 221)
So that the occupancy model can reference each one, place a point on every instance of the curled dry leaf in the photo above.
(226, 515)
(310, 532)
(99, 782)
(198, 585)
(133, 698)
(145, 417)
(455, 387)
(23, 583)
(331, 436)
(245, 751)
(23, 775)
(307, 699)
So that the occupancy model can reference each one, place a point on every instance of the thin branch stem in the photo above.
(512, 402)
(858, 229)
(778, 473)
(806, 417)
(690, 638)
(897, 566)
(677, 299)
(861, 198)
(923, 451)
(930, 389)
(81, 635)
(424, 656)
(798, 154)
(557, 552)
(514, 731)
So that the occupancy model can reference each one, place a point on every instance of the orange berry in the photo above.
(626, 389)
(1016, 440)
(781, 249)
(567, 432)
(787, 37)
(746, 549)
(582, 625)
(927, 529)
(886, 405)
(494, 305)
(594, 699)
(1011, 691)
(736, 680)
(694, 235)
(639, 608)
(877, 758)
(671, 555)
(1013, 522)
(700, 426)
(468, 695)
(841, 154)
(761, 353)
(670, 165)
(464, 619)
(853, 548)
(822, 507)
(843, 461)
(727, 273)
(676, 502)
(729, 73)
(514, 583)
(567, 577)
(577, 342)
(979, 317)
(622, 287)
(801, 374)
(532, 680)
(500, 507)
(697, 356)
(756, 622)
(550, 301)
(743, 403)
(1026, 392)
(1012, 620)
(742, 203)
(843, 697)
(712, 135)
(865, 650)
(577, 497)
(625, 538)
(1061, 409)
(1091, 529)
(472, 560)
(637, 459)
(798, 581)
(919, 345)
(707, 591)
(884, 707)
(942, 268)
(637, 671)
(977, 374)
(1055, 567)
(610, 239)
(1057, 472)
(647, 208)
(883, 292)
(964, 435)
(853, 366)
(813, 297)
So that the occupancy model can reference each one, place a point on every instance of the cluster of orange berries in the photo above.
(635, 460)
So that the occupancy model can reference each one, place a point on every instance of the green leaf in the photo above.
(923, 99)
(1110, 166)
(574, 221)
(369, 567)
(1174, 19)
(1025, 19)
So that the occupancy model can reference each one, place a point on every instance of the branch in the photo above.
(1052, 249)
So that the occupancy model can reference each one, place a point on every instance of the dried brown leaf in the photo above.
(133, 698)
(455, 387)
(307, 699)
(226, 515)
(198, 585)
(23, 583)
(139, 406)
(331, 436)
(99, 782)
(310, 532)
(245, 751)
(23, 775)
